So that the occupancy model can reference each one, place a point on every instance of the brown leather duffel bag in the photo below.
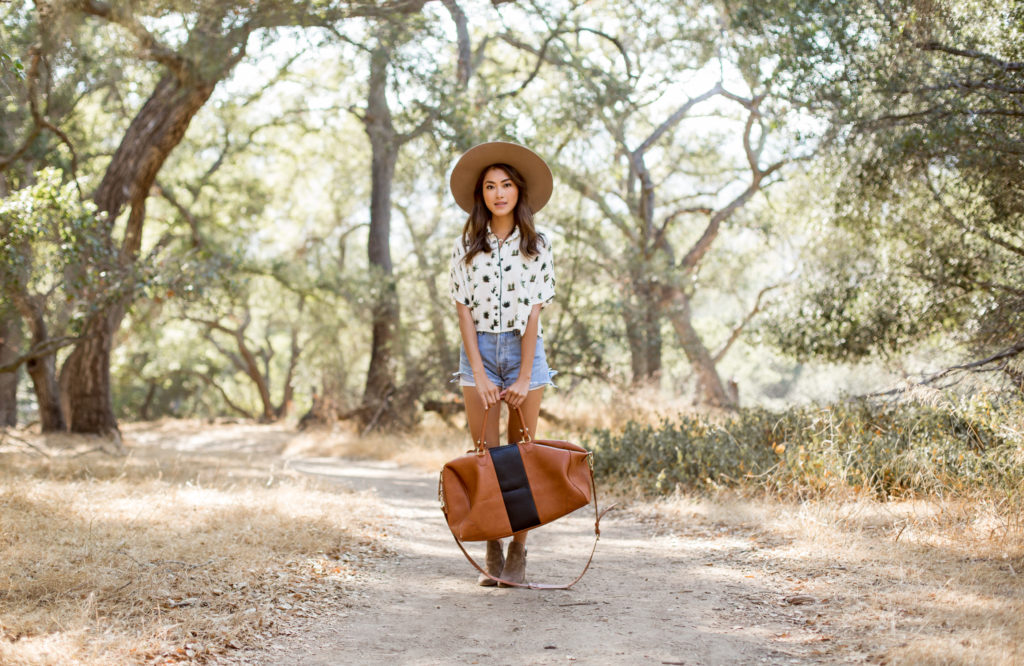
(492, 493)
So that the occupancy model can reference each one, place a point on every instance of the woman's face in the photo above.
(499, 192)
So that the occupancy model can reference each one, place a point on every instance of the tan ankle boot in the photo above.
(494, 563)
(515, 564)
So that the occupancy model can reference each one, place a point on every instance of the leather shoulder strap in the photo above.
(549, 586)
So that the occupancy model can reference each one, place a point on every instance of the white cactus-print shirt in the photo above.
(501, 287)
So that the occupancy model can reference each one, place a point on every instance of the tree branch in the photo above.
(974, 366)
(193, 223)
(703, 244)
(659, 237)
(41, 121)
(578, 184)
(44, 348)
(465, 69)
(676, 117)
(209, 381)
(540, 53)
(743, 324)
(150, 47)
(1005, 65)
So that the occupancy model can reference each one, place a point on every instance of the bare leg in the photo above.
(531, 411)
(475, 416)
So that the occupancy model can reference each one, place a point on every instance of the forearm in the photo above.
(468, 330)
(529, 344)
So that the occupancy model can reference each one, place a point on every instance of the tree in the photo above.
(667, 180)
(924, 103)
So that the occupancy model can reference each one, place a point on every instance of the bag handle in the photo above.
(598, 515)
(478, 443)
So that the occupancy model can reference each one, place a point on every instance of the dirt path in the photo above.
(649, 597)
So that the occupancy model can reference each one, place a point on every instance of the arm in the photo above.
(515, 395)
(486, 389)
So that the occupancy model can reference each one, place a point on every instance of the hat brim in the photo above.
(529, 165)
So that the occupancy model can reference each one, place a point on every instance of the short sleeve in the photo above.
(543, 291)
(458, 279)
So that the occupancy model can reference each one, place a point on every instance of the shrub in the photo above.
(893, 449)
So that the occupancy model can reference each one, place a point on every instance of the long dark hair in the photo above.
(474, 234)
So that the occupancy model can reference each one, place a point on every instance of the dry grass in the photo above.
(169, 555)
(595, 406)
(202, 542)
(916, 582)
(435, 441)
(429, 447)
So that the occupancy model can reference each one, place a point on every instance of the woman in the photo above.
(501, 276)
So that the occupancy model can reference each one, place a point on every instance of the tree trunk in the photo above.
(643, 318)
(152, 135)
(85, 377)
(252, 369)
(384, 143)
(710, 389)
(148, 401)
(42, 370)
(10, 342)
(284, 408)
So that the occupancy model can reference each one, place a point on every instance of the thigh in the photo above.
(531, 411)
(475, 417)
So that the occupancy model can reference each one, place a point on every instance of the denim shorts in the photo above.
(502, 356)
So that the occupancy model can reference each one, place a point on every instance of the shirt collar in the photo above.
(512, 236)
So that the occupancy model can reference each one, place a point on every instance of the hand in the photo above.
(515, 395)
(488, 392)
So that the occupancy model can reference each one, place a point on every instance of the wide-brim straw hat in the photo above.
(529, 165)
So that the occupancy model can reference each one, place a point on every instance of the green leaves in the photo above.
(55, 242)
(12, 65)
(926, 202)
(892, 449)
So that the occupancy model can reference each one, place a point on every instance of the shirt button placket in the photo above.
(501, 286)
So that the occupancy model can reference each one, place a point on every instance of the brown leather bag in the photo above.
(492, 493)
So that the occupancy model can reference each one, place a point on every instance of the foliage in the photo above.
(53, 243)
(892, 449)
(923, 102)
(13, 65)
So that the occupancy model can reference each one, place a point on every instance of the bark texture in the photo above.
(10, 342)
(642, 317)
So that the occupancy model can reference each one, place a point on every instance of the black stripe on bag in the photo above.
(515, 487)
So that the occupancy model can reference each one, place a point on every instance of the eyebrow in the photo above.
(498, 182)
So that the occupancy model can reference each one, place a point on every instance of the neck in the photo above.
(502, 226)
